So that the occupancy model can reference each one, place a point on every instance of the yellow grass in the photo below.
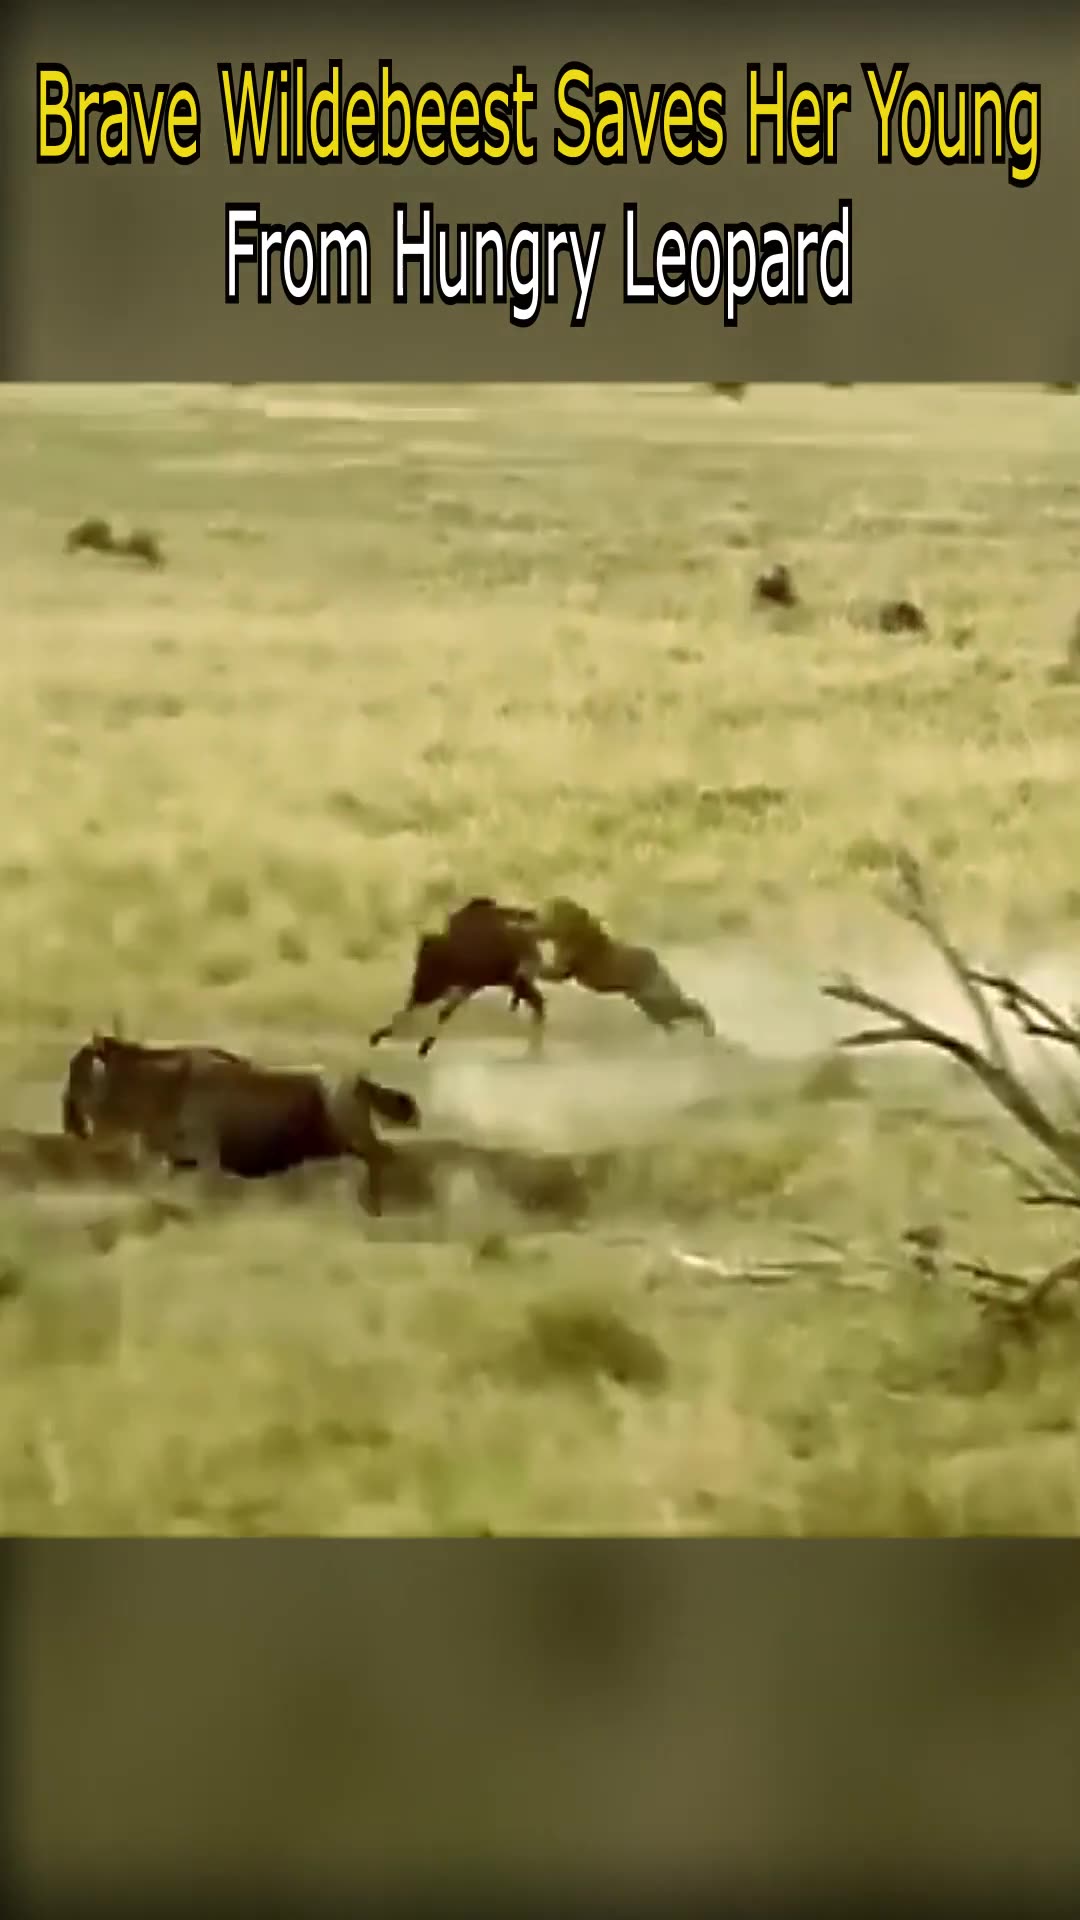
(410, 645)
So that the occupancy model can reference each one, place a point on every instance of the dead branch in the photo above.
(1034, 1015)
(1015, 1298)
(1001, 1083)
(916, 906)
(1015, 1301)
(754, 1273)
(1043, 1023)
(990, 1064)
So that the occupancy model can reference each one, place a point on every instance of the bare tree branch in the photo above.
(1015, 1301)
(1034, 1015)
(1014, 1298)
(1046, 1197)
(1000, 1081)
(916, 906)
(990, 1064)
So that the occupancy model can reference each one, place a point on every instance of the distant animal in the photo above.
(95, 535)
(584, 951)
(901, 616)
(141, 544)
(203, 1108)
(482, 944)
(775, 588)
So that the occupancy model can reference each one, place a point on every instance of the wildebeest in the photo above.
(775, 588)
(95, 535)
(901, 616)
(584, 951)
(483, 944)
(200, 1107)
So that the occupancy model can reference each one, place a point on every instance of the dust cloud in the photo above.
(597, 1089)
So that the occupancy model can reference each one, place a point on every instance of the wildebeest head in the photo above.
(87, 1078)
(104, 1077)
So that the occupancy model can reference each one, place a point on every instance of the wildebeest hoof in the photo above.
(425, 1046)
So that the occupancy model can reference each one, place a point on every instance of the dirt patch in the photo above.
(573, 1101)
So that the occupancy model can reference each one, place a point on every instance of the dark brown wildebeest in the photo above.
(95, 535)
(775, 588)
(901, 616)
(203, 1108)
(141, 544)
(585, 951)
(483, 944)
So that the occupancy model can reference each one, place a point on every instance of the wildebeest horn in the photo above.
(117, 1026)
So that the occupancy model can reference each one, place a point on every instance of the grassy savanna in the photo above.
(413, 644)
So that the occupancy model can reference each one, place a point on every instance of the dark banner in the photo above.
(570, 194)
(776, 1722)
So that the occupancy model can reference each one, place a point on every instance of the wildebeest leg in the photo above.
(455, 998)
(527, 990)
(375, 1154)
(682, 1008)
(668, 1010)
(392, 1025)
(373, 1197)
(195, 1149)
(695, 1011)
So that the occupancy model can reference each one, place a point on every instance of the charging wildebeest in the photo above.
(585, 952)
(200, 1107)
(482, 944)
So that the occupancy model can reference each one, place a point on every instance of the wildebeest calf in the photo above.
(483, 944)
(199, 1107)
(584, 951)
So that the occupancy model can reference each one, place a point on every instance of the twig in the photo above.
(761, 1272)
(1041, 1022)
(1029, 1298)
(982, 1270)
(1034, 1015)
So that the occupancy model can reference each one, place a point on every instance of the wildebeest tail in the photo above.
(389, 1102)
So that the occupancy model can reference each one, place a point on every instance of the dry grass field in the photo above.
(410, 645)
